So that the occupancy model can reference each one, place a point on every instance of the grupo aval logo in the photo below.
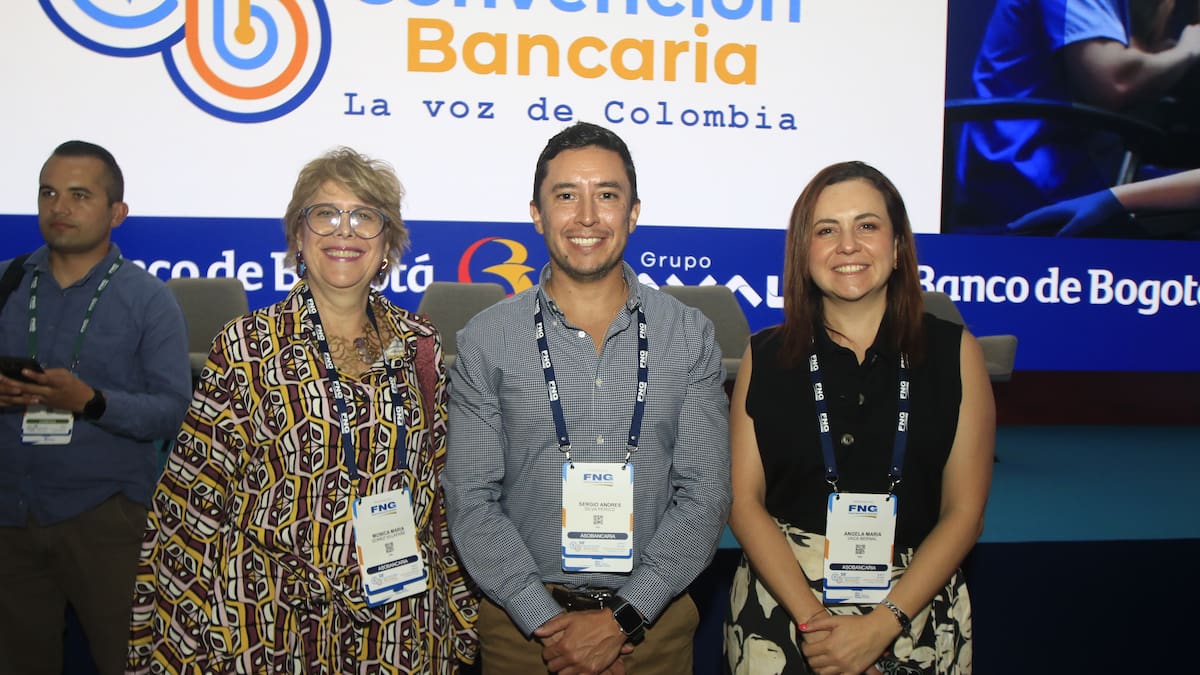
(512, 269)
(239, 60)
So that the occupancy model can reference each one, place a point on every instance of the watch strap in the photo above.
(96, 406)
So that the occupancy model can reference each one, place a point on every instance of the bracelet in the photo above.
(905, 622)
(820, 612)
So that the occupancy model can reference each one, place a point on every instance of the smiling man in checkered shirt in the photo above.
(588, 465)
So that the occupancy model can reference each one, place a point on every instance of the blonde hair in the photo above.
(373, 181)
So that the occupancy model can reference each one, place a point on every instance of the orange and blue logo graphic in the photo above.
(512, 269)
(239, 60)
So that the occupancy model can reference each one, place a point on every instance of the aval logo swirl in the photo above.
(512, 269)
(239, 60)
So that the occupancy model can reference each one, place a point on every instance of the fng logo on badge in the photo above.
(383, 508)
(863, 508)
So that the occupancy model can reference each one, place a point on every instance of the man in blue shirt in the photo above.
(77, 455)
(1063, 50)
(587, 474)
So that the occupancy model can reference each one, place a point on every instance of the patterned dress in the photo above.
(248, 563)
(762, 639)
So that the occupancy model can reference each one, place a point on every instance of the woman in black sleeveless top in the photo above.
(852, 302)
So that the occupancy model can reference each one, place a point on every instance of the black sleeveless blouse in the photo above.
(862, 411)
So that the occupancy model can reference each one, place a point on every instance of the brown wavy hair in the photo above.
(802, 308)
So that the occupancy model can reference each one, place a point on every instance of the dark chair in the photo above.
(1142, 141)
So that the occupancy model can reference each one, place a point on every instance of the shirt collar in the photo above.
(39, 261)
(293, 315)
(632, 302)
(882, 347)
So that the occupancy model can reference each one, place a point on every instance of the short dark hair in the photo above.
(114, 180)
(584, 135)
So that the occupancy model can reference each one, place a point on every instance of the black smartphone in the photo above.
(11, 367)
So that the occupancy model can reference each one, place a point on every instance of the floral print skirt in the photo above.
(762, 639)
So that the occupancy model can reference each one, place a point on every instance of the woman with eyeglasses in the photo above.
(299, 525)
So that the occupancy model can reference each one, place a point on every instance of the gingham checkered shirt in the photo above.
(503, 476)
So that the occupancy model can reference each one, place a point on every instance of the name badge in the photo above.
(597, 533)
(46, 426)
(389, 555)
(860, 537)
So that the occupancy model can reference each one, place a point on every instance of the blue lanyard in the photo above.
(339, 396)
(552, 390)
(900, 443)
(87, 314)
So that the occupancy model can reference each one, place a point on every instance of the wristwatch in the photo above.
(95, 407)
(630, 620)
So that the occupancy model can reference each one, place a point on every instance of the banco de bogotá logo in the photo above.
(238, 60)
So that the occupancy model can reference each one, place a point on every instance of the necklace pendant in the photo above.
(366, 351)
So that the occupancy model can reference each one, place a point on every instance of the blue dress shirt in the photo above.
(134, 350)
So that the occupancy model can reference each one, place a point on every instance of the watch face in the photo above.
(628, 618)
(630, 622)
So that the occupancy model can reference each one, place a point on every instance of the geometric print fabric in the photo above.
(248, 562)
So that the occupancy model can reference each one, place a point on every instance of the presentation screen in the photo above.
(729, 108)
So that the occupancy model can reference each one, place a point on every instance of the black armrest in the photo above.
(1137, 133)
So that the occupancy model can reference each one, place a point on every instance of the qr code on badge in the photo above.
(388, 547)
(860, 549)
(597, 519)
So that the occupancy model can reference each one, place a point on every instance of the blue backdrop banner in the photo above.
(1081, 304)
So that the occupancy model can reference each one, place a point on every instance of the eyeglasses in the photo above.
(325, 219)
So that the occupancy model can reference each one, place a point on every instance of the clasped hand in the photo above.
(845, 645)
(583, 643)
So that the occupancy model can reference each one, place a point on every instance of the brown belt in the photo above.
(584, 598)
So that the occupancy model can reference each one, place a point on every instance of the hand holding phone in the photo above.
(11, 367)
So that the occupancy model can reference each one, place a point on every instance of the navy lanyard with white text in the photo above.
(87, 314)
(339, 396)
(901, 440)
(552, 390)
